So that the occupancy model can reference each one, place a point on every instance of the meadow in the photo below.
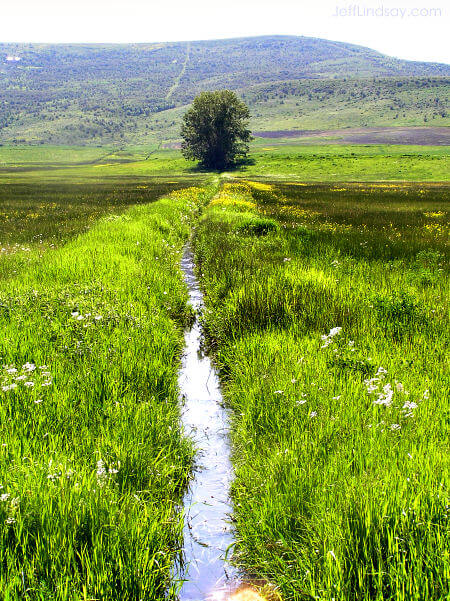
(93, 463)
(282, 159)
(330, 162)
(325, 280)
(326, 311)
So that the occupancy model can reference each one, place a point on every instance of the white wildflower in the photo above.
(335, 331)
(9, 387)
(328, 338)
(385, 397)
(395, 427)
(313, 414)
(410, 405)
(102, 474)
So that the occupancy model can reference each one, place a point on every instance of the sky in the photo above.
(408, 29)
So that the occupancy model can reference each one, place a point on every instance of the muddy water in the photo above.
(207, 533)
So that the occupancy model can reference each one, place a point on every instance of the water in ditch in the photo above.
(207, 532)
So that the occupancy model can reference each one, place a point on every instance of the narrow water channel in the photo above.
(207, 533)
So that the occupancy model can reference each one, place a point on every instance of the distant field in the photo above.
(278, 158)
(346, 162)
(19, 158)
(422, 136)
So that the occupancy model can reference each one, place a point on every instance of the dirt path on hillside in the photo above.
(177, 80)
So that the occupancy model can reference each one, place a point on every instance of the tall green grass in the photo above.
(92, 459)
(326, 309)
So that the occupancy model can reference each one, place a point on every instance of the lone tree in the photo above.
(215, 130)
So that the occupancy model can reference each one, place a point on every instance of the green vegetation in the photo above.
(283, 159)
(133, 165)
(92, 460)
(333, 104)
(137, 93)
(326, 311)
(348, 163)
(215, 130)
(50, 214)
(339, 435)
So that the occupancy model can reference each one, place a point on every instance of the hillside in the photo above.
(72, 94)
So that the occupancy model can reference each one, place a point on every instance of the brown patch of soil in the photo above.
(421, 136)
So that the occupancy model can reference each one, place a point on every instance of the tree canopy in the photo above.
(215, 130)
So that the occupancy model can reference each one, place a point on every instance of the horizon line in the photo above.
(240, 37)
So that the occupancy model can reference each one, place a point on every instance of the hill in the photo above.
(72, 94)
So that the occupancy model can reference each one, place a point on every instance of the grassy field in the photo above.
(327, 314)
(338, 435)
(277, 159)
(92, 459)
(82, 164)
(50, 214)
(37, 216)
(328, 163)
